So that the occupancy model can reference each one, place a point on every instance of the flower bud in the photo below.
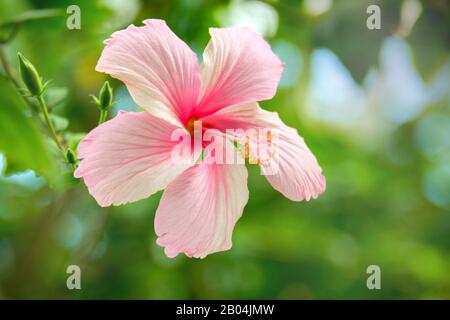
(70, 157)
(105, 98)
(30, 76)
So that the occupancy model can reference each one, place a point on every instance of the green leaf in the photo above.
(23, 145)
(55, 96)
(60, 123)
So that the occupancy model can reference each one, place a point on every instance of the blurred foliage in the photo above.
(373, 105)
(20, 139)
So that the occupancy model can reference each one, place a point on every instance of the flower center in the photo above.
(190, 126)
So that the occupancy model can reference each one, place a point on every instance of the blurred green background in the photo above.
(373, 105)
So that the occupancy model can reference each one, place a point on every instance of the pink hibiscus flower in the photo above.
(129, 157)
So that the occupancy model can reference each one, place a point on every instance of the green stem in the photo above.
(11, 35)
(49, 123)
(103, 116)
(8, 69)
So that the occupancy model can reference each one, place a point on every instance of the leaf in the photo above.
(60, 123)
(23, 145)
(55, 96)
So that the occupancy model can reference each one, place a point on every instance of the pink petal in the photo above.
(129, 158)
(297, 176)
(160, 70)
(199, 209)
(238, 67)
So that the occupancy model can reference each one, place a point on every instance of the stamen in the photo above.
(257, 146)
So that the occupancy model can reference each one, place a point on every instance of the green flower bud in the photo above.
(30, 76)
(70, 157)
(105, 97)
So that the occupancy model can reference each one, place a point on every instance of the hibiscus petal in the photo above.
(129, 158)
(199, 209)
(293, 170)
(160, 70)
(238, 67)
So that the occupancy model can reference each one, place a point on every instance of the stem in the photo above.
(103, 116)
(8, 69)
(11, 35)
(49, 123)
